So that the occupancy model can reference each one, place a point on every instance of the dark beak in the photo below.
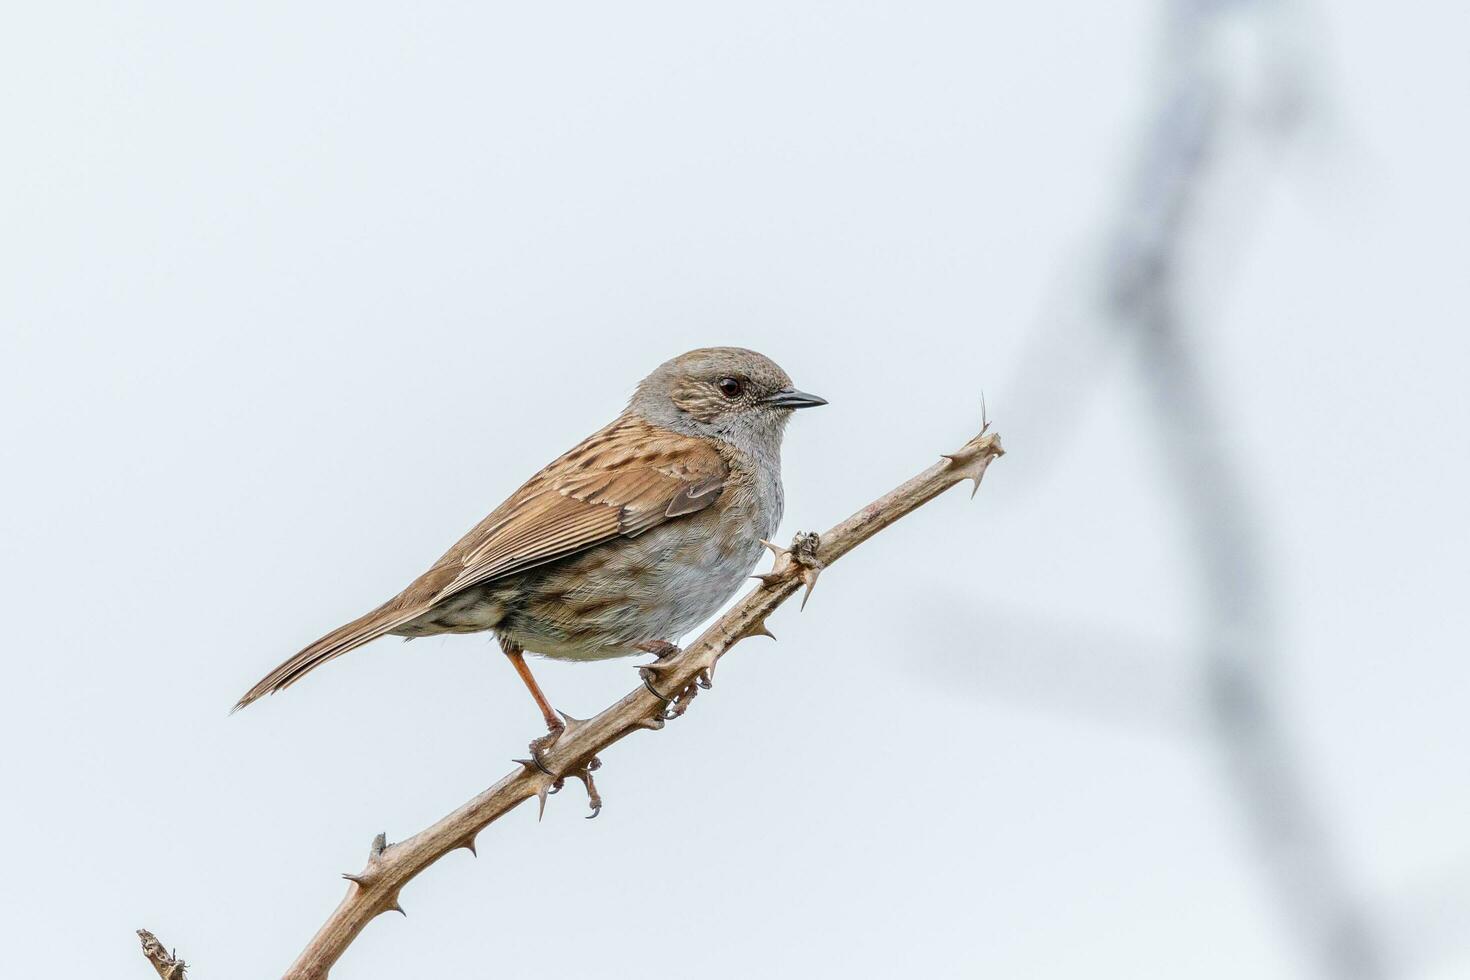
(791, 398)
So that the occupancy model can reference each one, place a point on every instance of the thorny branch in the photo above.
(669, 684)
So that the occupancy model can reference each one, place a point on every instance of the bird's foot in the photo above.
(679, 703)
(540, 746)
(662, 649)
(583, 769)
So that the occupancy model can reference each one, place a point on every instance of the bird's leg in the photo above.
(554, 725)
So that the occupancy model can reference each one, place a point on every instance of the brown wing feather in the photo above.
(621, 481)
(618, 483)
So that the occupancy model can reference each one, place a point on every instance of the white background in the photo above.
(290, 296)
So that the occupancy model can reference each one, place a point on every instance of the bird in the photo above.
(619, 546)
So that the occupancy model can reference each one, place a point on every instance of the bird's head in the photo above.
(727, 393)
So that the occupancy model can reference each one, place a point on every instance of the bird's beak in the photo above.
(791, 398)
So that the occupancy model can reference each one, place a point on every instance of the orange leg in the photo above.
(518, 661)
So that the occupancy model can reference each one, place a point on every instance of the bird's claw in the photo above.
(539, 748)
(664, 651)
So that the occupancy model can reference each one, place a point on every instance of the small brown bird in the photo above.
(621, 545)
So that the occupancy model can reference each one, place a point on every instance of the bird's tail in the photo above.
(384, 619)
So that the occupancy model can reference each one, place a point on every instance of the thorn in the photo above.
(759, 628)
(541, 796)
(777, 552)
(361, 881)
(984, 415)
(966, 459)
(809, 575)
(469, 844)
(395, 907)
(769, 579)
(569, 725)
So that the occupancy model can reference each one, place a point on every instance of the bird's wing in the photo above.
(621, 482)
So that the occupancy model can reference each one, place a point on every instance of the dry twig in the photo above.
(668, 686)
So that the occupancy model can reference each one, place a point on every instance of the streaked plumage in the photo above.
(634, 536)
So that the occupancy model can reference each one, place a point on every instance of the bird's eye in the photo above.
(729, 387)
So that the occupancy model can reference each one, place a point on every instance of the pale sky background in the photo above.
(290, 296)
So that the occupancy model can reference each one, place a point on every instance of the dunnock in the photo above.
(621, 545)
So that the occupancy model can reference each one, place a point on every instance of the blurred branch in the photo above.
(669, 684)
(1215, 104)
(169, 966)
